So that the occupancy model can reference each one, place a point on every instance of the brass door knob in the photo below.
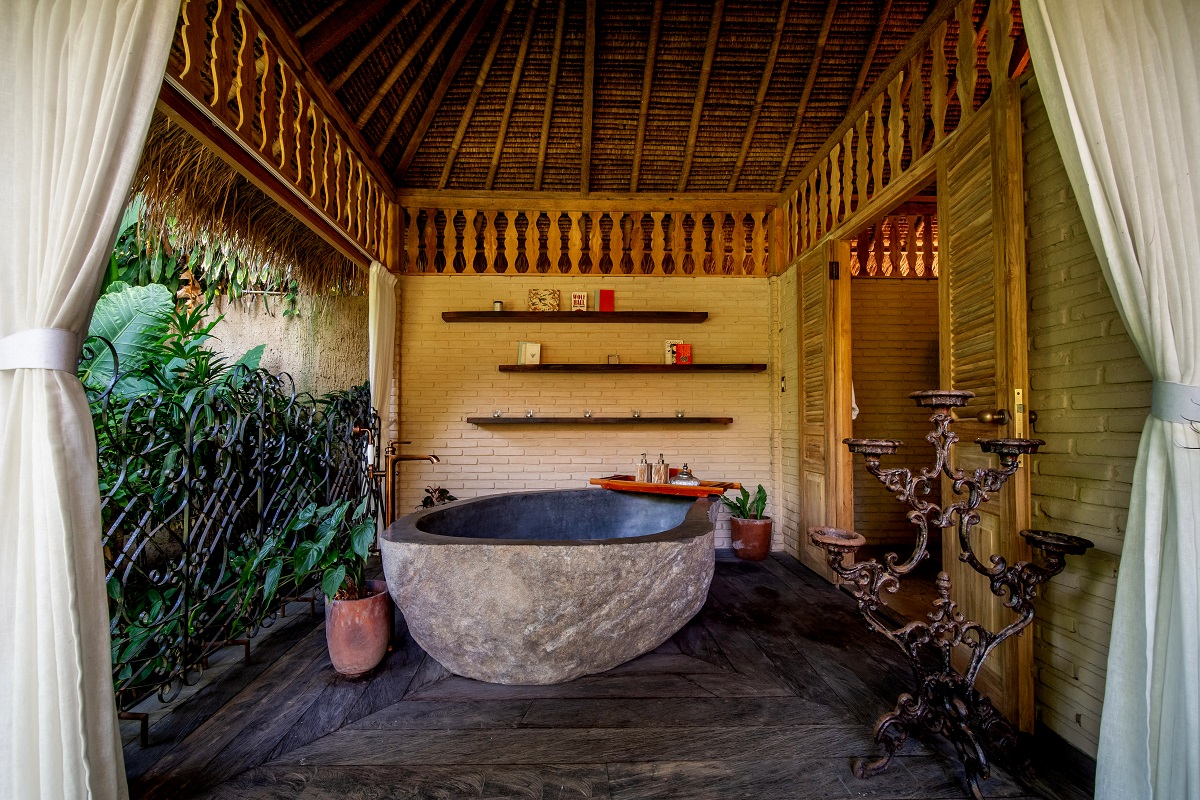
(997, 417)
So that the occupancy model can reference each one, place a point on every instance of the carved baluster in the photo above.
(938, 83)
(302, 155)
(439, 239)
(847, 183)
(916, 106)
(823, 199)
(655, 249)
(268, 103)
(761, 250)
(490, 248)
(316, 120)
(666, 257)
(521, 224)
(747, 259)
(643, 246)
(895, 128)
(243, 79)
(500, 260)
(929, 245)
(193, 34)
(813, 213)
(707, 224)
(606, 227)
(287, 119)
(585, 243)
(862, 157)
(627, 244)
(835, 183)
(220, 62)
(422, 237)
(460, 229)
(689, 226)
(877, 144)
(572, 242)
(480, 261)
(545, 256)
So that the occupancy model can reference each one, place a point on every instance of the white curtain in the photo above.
(381, 326)
(1121, 82)
(78, 82)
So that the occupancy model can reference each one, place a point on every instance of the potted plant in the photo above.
(436, 496)
(751, 531)
(358, 612)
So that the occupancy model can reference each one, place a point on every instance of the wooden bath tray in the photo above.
(626, 483)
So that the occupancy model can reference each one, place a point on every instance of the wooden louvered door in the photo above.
(984, 349)
(824, 347)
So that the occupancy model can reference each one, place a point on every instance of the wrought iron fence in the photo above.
(195, 490)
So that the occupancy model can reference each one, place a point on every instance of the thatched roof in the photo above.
(191, 195)
(431, 84)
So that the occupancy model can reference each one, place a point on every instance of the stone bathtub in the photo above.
(542, 587)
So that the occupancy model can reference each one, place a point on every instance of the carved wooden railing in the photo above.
(901, 245)
(472, 242)
(938, 82)
(222, 57)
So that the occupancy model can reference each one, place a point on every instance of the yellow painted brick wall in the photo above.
(1092, 395)
(787, 414)
(448, 372)
(894, 331)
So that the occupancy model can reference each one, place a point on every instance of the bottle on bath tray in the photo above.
(643, 471)
(662, 472)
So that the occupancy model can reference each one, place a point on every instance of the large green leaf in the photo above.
(134, 319)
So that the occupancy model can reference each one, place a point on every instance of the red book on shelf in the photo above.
(605, 300)
(683, 354)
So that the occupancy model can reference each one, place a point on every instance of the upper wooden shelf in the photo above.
(575, 316)
(633, 367)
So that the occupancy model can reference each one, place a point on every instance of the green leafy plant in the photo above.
(334, 547)
(436, 496)
(743, 507)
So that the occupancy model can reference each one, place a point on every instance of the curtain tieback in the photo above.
(1175, 402)
(40, 348)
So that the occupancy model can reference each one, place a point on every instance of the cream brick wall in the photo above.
(449, 371)
(1092, 395)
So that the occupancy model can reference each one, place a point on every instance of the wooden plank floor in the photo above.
(767, 693)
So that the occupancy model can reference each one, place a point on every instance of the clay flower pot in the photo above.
(751, 537)
(357, 631)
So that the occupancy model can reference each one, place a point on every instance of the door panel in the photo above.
(824, 346)
(983, 349)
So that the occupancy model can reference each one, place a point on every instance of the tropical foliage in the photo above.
(745, 507)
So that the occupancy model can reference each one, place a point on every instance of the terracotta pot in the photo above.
(357, 631)
(751, 537)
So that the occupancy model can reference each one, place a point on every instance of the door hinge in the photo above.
(834, 271)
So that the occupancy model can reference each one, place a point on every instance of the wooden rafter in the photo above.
(647, 82)
(476, 91)
(372, 45)
(398, 68)
(589, 90)
(761, 97)
(869, 58)
(813, 67)
(321, 16)
(325, 37)
(512, 94)
(710, 50)
(430, 61)
(552, 86)
(435, 102)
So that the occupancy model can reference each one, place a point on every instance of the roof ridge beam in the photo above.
(398, 68)
(551, 87)
(325, 38)
(761, 97)
(476, 91)
(710, 51)
(809, 82)
(321, 16)
(512, 93)
(371, 46)
(647, 85)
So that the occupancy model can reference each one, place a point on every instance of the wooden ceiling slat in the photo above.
(710, 50)
(398, 68)
(589, 70)
(328, 36)
(813, 67)
(430, 60)
(435, 102)
(647, 84)
(476, 90)
(512, 94)
(371, 46)
(761, 97)
(870, 56)
(318, 18)
(551, 88)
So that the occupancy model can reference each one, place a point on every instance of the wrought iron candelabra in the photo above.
(945, 702)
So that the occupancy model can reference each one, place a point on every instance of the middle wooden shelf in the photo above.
(632, 367)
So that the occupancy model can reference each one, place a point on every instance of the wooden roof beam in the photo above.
(647, 83)
(551, 88)
(321, 16)
(869, 59)
(326, 37)
(435, 101)
(512, 94)
(476, 90)
(398, 68)
(372, 45)
(589, 90)
(710, 50)
(761, 97)
(422, 76)
(813, 67)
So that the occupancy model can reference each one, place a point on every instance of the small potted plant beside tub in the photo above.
(358, 612)
(751, 531)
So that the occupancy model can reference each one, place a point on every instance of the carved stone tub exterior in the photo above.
(543, 587)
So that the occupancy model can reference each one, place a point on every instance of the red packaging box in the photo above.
(605, 300)
(683, 354)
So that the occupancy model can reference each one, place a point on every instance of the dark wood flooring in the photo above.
(768, 693)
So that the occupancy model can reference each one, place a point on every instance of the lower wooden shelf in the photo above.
(600, 420)
(633, 367)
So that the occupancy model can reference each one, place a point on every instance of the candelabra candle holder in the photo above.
(945, 701)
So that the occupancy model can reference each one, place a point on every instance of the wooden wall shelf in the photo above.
(633, 367)
(600, 420)
(576, 316)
